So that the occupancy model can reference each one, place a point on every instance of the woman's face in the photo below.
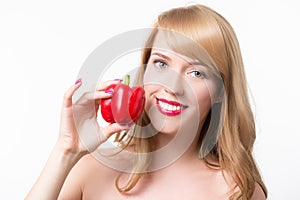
(178, 90)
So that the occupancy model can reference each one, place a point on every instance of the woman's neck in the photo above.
(172, 151)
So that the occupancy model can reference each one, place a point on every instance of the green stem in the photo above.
(127, 79)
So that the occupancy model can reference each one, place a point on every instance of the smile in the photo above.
(169, 108)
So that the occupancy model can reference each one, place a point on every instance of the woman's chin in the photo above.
(164, 123)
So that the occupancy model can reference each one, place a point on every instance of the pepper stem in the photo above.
(127, 79)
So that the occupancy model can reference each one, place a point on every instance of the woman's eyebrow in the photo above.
(160, 55)
(193, 62)
(196, 63)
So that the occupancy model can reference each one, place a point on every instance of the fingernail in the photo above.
(109, 91)
(78, 81)
(118, 79)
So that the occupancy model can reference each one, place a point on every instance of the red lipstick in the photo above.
(169, 107)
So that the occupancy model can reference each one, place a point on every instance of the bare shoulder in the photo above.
(89, 168)
(258, 193)
(88, 171)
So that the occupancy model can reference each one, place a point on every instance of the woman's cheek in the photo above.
(149, 97)
(204, 103)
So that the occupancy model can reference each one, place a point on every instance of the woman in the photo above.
(195, 91)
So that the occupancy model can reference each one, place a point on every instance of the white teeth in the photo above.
(167, 106)
(164, 105)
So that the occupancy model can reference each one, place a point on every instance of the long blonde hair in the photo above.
(233, 149)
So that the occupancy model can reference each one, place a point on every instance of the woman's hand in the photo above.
(79, 129)
(73, 141)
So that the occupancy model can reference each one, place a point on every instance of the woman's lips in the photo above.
(169, 107)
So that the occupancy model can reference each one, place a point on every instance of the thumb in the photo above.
(92, 136)
(109, 130)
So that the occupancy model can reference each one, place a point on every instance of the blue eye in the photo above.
(160, 64)
(198, 74)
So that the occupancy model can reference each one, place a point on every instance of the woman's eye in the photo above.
(160, 64)
(198, 74)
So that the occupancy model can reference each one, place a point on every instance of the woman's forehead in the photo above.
(168, 43)
(178, 44)
(181, 45)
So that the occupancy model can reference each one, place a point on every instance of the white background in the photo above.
(43, 45)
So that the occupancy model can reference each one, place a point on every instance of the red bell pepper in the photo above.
(126, 104)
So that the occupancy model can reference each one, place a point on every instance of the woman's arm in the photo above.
(69, 149)
(53, 175)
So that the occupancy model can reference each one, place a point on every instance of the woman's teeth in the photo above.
(170, 107)
(167, 106)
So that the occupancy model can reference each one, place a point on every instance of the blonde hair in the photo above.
(233, 149)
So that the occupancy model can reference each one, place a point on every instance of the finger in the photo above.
(105, 84)
(102, 95)
(97, 105)
(92, 140)
(93, 97)
(110, 129)
(70, 92)
(97, 98)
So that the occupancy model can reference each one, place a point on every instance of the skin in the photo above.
(72, 173)
(190, 85)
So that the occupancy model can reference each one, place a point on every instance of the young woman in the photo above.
(196, 95)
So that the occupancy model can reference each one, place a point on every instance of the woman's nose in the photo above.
(175, 83)
(171, 79)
